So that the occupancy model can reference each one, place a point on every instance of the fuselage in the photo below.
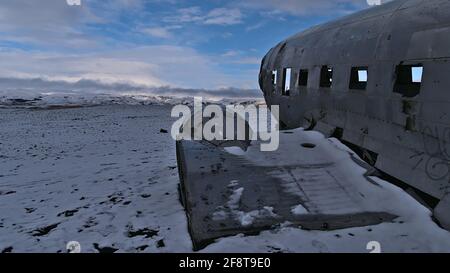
(380, 79)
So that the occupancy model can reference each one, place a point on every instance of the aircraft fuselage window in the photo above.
(408, 80)
(287, 73)
(417, 74)
(326, 76)
(303, 77)
(359, 77)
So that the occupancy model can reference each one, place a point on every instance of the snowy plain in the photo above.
(106, 176)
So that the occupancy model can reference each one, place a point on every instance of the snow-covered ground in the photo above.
(106, 176)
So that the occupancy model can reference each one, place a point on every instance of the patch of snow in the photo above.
(299, 210)
(234, 150)
(247, 218)
(231, 209)
(103, 176)
(220, 215)
(233, 183)
(235, 198)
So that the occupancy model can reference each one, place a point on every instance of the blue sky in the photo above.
(185, 44)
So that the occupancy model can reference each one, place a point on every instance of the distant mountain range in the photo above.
(80, 100)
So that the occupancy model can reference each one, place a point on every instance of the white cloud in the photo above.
(158, 32)
(54, 26)
(226, 35)
(248, 60)
(127, 3)
(150, 66)
(231, 53)
(255, 26)
(73, 2)
(72, 68)
(186, 15)
(217, 16)
(240, 57)
(377, 2)
(305, 7)
(223, 16)
(43, 22)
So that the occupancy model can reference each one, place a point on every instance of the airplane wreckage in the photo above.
(377, 80)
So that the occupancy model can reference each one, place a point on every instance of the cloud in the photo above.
(158, 32)
(240, 57)
(56, 24)
(217, 16)
(105, 67)
(248, 60)
(377, 2)
(231, 53)
(149, 66)
(223, 16)
(185, 15)
(305, 7)
(44, 22)
(255, 26)
(73, 2)
(102, 41)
